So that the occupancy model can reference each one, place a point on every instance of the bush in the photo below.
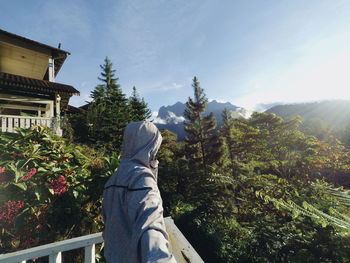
(49, 189)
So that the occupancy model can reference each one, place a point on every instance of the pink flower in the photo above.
(29, 174)
(2, 170)
(9, 212)
(59, 185)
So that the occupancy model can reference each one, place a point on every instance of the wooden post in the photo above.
(89, 254)
(51, 67)
(3, 124)
(49, 110)
(55, 257)
(58, 115)
(10, 124)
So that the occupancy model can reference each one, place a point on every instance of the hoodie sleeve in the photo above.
(145, 212)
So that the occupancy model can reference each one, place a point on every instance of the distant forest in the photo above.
(321, 119)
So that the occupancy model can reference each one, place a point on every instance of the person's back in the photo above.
(132, 206)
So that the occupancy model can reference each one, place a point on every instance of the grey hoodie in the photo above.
(132, 207)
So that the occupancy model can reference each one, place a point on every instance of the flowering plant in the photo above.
(47, 191)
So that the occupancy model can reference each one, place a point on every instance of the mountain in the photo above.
(171, 117)
(335, 112)
(166, 111)
(261, 107)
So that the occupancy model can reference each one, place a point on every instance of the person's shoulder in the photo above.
(143, 178)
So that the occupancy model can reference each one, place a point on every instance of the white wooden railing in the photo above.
(179, 247)
(8, 123)
(54, 250)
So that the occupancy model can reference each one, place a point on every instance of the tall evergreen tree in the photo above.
(200, 137)
(138, 106)
(108, 113)
(227, 133)
(98, 94)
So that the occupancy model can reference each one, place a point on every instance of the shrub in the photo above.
(49, 189)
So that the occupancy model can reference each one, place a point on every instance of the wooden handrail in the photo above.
(25, 117)
(54, 250)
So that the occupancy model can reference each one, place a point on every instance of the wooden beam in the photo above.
(21, 107)
(11, 97)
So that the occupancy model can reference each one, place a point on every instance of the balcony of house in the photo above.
(25, 112)
(25, 102)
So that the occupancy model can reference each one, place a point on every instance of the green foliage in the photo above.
(172, 182)
(108, 113)
(49, 189)
(227, 133)
(318, 128)
(101, 122)
(269, 199)
(254, 190)
(139, 108)
(201, 142)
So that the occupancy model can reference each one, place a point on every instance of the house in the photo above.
(29, 94)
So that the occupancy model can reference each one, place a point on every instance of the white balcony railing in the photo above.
(8, 123)
(54, 250)
(179, 247)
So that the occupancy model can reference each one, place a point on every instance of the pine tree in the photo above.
(98, 94)
(227, 133)
(200, 138)
(139, 108)
(107, 77)
(108, 113)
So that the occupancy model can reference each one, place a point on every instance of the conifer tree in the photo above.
(108, 113)
(227, 133)
(200, 138)
(98, 94)
(138, 106)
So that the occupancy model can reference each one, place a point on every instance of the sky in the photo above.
(245, 52)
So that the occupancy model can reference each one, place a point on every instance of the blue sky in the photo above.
(244, 52)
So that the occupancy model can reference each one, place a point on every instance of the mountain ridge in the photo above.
(333, 112)
(171, 117)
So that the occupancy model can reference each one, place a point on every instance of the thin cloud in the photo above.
(172, 86)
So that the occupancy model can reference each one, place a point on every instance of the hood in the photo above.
(141, 142)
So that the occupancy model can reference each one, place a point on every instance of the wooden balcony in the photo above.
(9, 123)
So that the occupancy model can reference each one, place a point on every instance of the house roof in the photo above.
(72, 109)
(58, 54)
(28, 84)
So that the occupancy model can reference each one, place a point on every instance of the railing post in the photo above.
(89, 254)
(9, 124)
(3, 124)
(55, 257)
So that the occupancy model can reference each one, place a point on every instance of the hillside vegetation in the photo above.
(252, 190)
(321, 119)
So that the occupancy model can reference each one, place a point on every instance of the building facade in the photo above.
(29, 94)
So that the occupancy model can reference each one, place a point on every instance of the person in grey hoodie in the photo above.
(132, 206)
